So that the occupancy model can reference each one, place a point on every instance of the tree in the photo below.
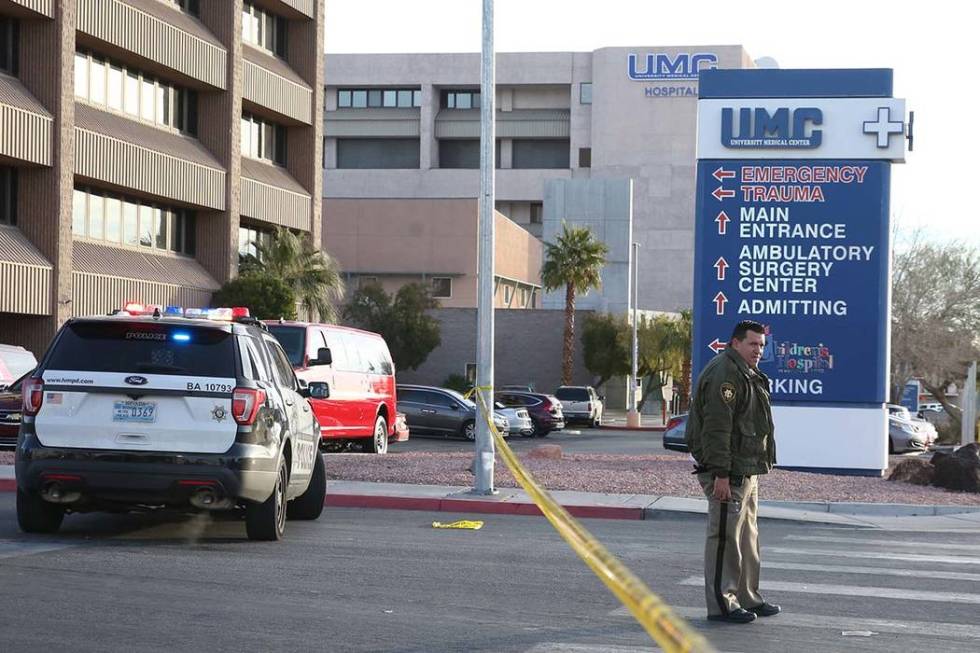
(935, 317)
(574, 262)
(403, 321)
(606, 341)
(267, 297)
(664, 343)
(310, 272)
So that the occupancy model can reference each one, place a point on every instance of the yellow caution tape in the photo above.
(462, 523)
(669, 630)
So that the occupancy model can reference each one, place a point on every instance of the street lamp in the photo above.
(632, 414)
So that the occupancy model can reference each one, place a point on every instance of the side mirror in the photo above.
(319, 390)
(323, 357)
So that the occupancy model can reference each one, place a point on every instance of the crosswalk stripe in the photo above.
(876, 571)
(791, 619)
(15, 548)
(874, 555)
(966, 548)
(567, 647)
(857, 590)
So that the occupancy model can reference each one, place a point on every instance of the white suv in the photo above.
(139, 411)
(580, 403)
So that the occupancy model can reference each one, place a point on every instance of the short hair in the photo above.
(743, 327)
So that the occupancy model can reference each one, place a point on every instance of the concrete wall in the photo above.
(527, 348)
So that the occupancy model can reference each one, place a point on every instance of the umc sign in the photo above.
(792, 230)
(664, 67)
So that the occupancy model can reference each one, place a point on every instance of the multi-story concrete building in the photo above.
(144, 144)
(406, 126)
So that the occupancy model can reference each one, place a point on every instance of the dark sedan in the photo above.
(674, 433)
(439, 411)
(544, 410)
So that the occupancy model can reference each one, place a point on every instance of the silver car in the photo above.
(518, 418)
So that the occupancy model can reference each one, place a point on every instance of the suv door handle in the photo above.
(289, 402)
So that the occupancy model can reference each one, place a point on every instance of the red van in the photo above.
(358, 368)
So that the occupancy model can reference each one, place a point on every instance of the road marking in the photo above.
(966, 548)
(886, 556)
(876, 571)
(840, 623)
(857, 590)
(566, 647)
(17, 548)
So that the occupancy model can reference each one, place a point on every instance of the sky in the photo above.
(927, 45)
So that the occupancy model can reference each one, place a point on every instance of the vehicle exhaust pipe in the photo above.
(207, 498)
(55, 492)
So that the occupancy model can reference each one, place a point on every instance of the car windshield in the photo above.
(900, 411)
(572, 394)
(148, 347)
(293, 341)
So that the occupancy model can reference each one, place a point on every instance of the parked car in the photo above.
(518, 419)
(11, 411)
(901, 412)
(358, 368)
(907, 435)
(527, 387)
(140, 410)
(15, 362)
(674, 433)
(580, 403)
(545, 410)
(440, 411)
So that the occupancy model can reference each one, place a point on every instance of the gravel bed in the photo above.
(658, 475)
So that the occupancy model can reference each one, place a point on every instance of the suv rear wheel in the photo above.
(35, 515)
(266, 521)
(309, 505)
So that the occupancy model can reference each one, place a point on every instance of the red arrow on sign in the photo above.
(722, 220)
(720, 193)
(717, 346)
(721, 265)
(721, 174)
(720, 301)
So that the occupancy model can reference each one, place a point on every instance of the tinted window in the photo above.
(573, 394)
(439, 399)
(293, 341)
(260, 369)
(152, 348)
(280, 366)
(413, 396)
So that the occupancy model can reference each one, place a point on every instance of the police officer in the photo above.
(730, 434)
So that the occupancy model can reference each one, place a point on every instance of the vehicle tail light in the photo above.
(245, 403)
(33, 390)
(588, 407)
(674, 421)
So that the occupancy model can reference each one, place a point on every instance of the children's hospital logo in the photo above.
(800, 358)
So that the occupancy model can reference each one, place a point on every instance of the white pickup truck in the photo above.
(580, 403)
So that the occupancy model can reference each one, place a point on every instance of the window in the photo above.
(250, 239)
(117, 88)
(9, 34)
(585, 157)
(541, 154)
(462, 153)
(537, 209)
(118, 219)
(377, 153)
(192, 7)
(263, 140)
(263, 29)
(400, 98)
(8, 195)
(508, 294)
(460, 99)
(585, 93)
(442, 287)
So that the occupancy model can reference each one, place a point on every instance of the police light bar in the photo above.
(173, 311)
(221, 314)
(136, 308)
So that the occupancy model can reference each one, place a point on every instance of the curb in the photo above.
(648, 429)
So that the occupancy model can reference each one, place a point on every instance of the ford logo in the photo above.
(136, 380)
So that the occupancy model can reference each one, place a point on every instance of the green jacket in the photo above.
(730, 430)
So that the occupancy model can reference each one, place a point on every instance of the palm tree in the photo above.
(310, 272)
(574, 262)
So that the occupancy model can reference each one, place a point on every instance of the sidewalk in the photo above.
(616, 420)
(594, 505)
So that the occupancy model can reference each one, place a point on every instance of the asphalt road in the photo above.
(572, 440)
(373, 580)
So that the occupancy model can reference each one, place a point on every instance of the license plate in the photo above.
(142, 412)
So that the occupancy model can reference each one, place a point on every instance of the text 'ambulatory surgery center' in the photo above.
(604, 139)
(145, 145)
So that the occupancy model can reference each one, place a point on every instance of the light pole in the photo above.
(632, 414)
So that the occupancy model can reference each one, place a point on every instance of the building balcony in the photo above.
(157, 33)
(39, 7)
(25, 125)
(25, 275)
(127, 154)
(271, 84)
(271, 195)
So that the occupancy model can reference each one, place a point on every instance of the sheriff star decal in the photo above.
(218, 413)
(728, 392)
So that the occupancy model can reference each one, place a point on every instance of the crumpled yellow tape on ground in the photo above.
(462, 523)
(670, 631)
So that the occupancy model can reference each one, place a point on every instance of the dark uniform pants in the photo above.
(731, 549)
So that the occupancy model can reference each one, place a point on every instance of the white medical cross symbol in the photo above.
(884, 127)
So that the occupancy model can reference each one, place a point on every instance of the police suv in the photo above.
(159, 407)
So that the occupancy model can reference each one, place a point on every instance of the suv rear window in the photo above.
(573, 394)
(293, 341)
(151, 348)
